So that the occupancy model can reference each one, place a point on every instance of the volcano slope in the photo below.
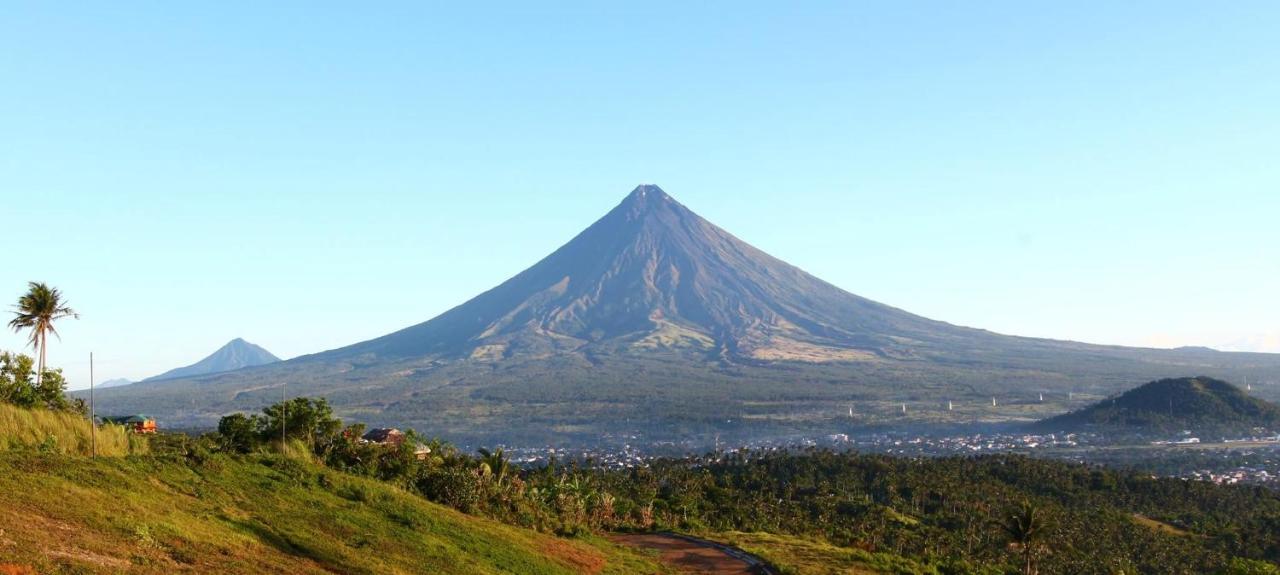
(654, 321)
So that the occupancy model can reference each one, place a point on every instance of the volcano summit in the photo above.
(654, 321)
(651, 274)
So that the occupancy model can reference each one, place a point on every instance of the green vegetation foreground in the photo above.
(230, 499)
(259, 513)
(990, 514)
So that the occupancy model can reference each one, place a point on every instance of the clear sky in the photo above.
(309, 175)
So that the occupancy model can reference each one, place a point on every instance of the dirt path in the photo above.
(691, 555)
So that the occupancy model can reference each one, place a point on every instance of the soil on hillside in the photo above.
(687, 555)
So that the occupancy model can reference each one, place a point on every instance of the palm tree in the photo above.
(36, 311)
(495, 462)
(1027, 528)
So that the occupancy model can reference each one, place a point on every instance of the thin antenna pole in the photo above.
(93, 421)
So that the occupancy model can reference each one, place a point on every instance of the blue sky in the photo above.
(310, 175)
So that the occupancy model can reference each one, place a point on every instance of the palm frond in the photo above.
(37, 310)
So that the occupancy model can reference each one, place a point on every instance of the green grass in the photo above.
(60, 432)
(1161, 526)
(798, 556)
(258, 514)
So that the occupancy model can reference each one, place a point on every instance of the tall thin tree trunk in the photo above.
(42, 341)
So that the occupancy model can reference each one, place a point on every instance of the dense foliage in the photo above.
(1090, 520)
(952, 515)
(19, 385)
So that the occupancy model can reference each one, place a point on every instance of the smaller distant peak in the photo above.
(238, 340)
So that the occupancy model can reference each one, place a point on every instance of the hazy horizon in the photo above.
(306, 177)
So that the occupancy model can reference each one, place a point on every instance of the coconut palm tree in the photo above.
(36, 311)
(1027, 528)
(496, 463)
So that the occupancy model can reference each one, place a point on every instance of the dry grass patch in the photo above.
(61, 432)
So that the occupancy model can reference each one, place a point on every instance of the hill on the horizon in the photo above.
(1187, 403)
(655, 321)
(236, 354)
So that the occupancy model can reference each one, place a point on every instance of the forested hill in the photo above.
(1175, 404)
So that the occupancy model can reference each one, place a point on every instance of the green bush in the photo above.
(1240, 566)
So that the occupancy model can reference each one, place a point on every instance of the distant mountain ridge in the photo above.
(236, 354)
(1174, 404)
(118, 382)
(654, 321)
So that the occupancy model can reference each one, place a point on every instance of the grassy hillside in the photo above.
(258, 514)
(61, 432)
(808, 556)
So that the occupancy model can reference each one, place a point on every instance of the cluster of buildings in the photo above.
(957, 444)
(629, 455)
(625, 456)
(623, 452)
(1239, 475)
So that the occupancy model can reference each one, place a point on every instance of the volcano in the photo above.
(653, 274)
(236, 354)
(655, 323)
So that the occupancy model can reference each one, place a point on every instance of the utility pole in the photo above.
(93, 421)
